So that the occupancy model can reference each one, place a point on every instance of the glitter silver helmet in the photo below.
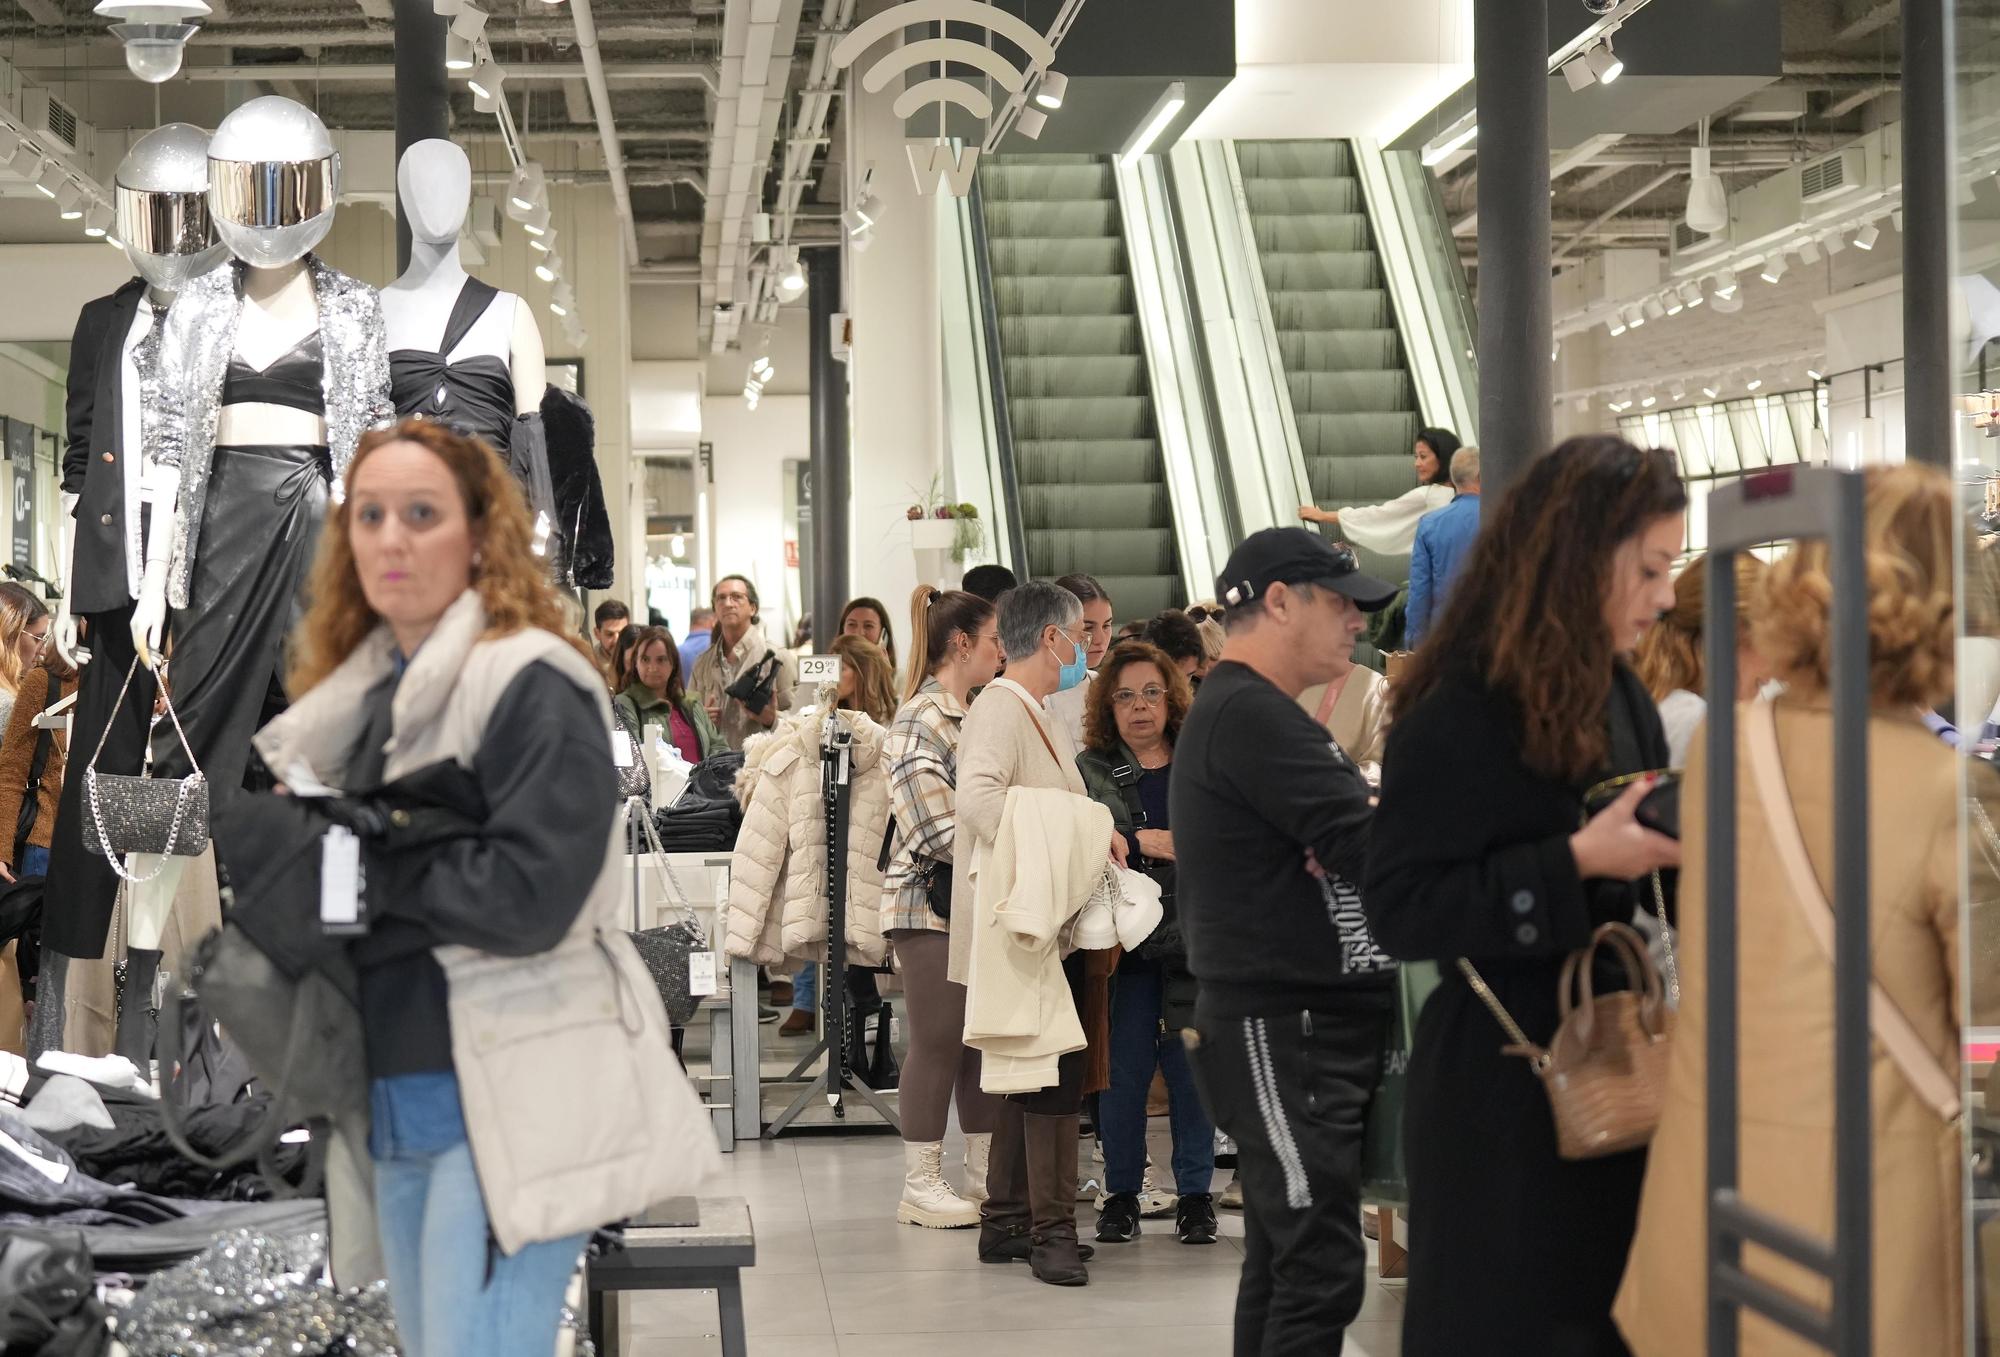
(162, 196)
(272, 178)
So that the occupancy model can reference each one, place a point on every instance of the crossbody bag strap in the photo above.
(1899, 1037)
(1036, 721)
(1326, 703)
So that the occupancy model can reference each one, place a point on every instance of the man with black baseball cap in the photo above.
(1271, 823)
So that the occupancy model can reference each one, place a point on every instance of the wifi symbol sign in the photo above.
(932, 159)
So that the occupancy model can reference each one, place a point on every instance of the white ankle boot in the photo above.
(978, 1149)
(927, 1198)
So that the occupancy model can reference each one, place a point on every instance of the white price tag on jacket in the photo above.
(701, 974)
(340, 879)
(817, 669)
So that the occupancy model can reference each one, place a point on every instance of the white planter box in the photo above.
(932, 534)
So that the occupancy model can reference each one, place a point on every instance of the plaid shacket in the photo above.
(922, 752)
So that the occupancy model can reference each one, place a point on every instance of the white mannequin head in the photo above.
(434, 184)
(273, 176)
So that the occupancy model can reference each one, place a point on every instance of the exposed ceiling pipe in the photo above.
(617, 73)
(607, 131)
(807, 136)
(1660, 180)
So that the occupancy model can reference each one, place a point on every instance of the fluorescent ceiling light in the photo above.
(1049, 94)
(1456, 138)
(1168, 107)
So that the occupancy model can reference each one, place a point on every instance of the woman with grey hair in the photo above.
(1009, 741)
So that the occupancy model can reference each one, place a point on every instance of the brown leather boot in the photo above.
(1004, 1217)
(1052, 1150)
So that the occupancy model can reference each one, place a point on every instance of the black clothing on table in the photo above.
(1257, 783)
(514, 890)
(137, 1151)
(295, 378)
(1471, 858)
(474, 395)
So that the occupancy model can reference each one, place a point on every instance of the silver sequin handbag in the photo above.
(665, 950)
(144, 814)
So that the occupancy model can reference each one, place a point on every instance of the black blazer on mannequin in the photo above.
(92, 469)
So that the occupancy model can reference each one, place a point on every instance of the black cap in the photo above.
(1297, 556)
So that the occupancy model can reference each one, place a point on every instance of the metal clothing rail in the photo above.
(1792, 502)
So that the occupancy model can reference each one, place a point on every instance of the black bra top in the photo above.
(473, 396)
(295, 379)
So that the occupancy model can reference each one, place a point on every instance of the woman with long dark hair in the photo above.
(654, 693)
(1391, 528)
(1519, 703)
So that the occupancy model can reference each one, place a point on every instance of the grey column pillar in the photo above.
(423, 106)
(1510, 62)
(1928, 205)
(831, 471)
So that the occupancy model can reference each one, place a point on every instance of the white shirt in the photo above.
(1681, 713)
(146, 481)
(1391, 529)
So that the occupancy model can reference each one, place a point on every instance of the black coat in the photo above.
(1518, 1251)
(94, 446)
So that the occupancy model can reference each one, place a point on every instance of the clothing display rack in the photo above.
(1794, 502)
(836, 762)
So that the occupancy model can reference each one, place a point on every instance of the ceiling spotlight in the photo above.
(1675, 305)
(524, 189)
(1816, 374)
(1711, 391)
(1725, 284)
(1691, 294)
(154, 33)
(544, 242)
(1809, 253)
(1654, 308)
(469, 22)
(1753, 383)
(548, 266)
(1677, 393)
(1865, 238)
(1620, 405)
(50, 179)
(484, 82)
(555, 305)
(1616, 325)
(458, 53)
(10, 142)
(1774, 268)
(1833, 243)
(1635, 316)
(446, 8)
(563, 299)
(1049, 94)
(1577, 71)
(762, 369)
(97, 221)
(1707, 201)
(1031, 122)
(792, 278)
(69, 200)
(1604, 63)
(1649, 402)
(26, 162)
(536, 222)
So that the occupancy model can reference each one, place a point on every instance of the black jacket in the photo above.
(94, 446)
(1470, 858)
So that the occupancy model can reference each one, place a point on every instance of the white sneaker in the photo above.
(1232, 1196)
(927, 1198)
(978, 1152)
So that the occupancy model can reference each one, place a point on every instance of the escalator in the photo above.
(1352, 395)
(1087, 457)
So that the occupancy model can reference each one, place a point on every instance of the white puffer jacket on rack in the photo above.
(777, 878)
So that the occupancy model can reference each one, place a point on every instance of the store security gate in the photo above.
(1796, 502)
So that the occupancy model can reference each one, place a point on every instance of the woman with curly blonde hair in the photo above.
(1669, 658)
(434, 639)
(1786, 999)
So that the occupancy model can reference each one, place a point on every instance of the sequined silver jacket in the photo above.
(194, 357)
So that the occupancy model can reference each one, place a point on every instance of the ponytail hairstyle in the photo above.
(936, 615)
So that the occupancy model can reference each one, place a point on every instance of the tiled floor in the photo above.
(838, 1277)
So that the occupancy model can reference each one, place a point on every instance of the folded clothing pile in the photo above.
(135, 1150)
(706, 815)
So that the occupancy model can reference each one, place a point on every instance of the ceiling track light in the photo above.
(69, 200)
(97, 221)
(1635, 316)
(1654, 308)
(1578, 73)
(10, 142)
(469, 22)
(1673, 300)
(484, 82)
(1774, 269)
(525, 187)
(1809, 253)
(548, 267)
(1691, 293)
(1049, 93)
(1711, 392)
(544, 242)
(1616, 325)
(1753, 383)
(792, 277)
(1725, 284)
(1604, 63)
(1833, 243)
(536, 221)
(1816, 375)
(1031, 122)
(1649, 402)
(50, 179)
(1865, 238)
(458, 53)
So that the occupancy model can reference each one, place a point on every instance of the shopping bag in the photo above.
(1384, 1177)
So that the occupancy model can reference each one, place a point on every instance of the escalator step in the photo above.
(1069, 336)
(1085, 217)
(1338, 350)
(1052, 295)
(1078, 377)
(1139, 596)
(1087, 461)
(1305, 270)
(1339, 482)
(1108, 508)
(1295, 159)
(1360, 309)
(1015, 256)
(1313, 197)
(1343, 231)
(1356, 435)
(1018, 177)
(1383, 391)
(1057, 417)
(1109, 551)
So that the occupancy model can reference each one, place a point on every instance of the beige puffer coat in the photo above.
(777, 879)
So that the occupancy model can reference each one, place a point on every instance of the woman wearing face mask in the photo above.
(1518, 705)
(1007, 742)
(956, 649)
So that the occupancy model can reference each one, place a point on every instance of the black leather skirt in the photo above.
(259, 532)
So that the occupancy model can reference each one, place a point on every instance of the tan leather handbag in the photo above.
(1606, 1069)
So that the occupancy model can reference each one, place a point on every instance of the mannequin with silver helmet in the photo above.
(109, 475)
(272, 367)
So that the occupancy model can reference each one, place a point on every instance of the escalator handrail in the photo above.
(996, 375)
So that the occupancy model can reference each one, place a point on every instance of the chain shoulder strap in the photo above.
(676, 896)
(1538, 1056)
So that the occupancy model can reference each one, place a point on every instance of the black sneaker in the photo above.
(1118, 1219)
(1194, 1219)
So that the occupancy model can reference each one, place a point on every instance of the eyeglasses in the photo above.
(732, 598)
(1201, 613)
(1152, 695)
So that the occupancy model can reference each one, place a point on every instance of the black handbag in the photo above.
(935, 873)
(754, 686)
(665, 950)
(144, 814)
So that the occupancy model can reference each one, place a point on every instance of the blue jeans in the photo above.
(805, 988)
(455, 1293)
(34, 861)
(1140, 1044)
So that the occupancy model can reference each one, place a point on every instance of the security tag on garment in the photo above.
(817, 669)
(340, 884)
(621, 748)
(701, 974)
(53, 1170)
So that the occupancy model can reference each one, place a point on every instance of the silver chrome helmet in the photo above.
(162, 196)
(272, 178)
